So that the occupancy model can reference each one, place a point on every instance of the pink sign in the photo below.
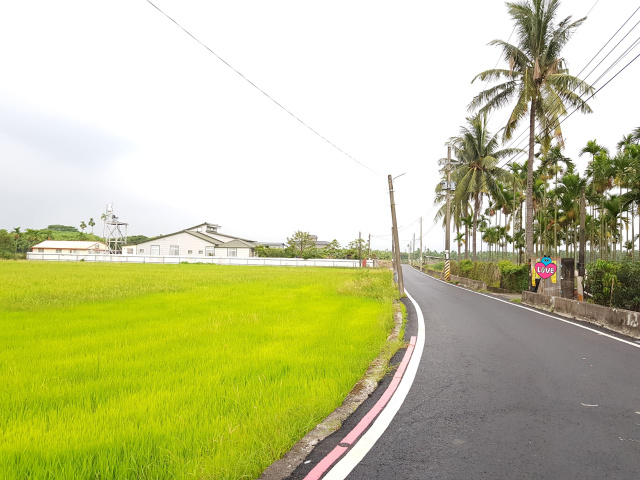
(545, 268)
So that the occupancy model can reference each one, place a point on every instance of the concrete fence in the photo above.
(623, 321)
(175, 259)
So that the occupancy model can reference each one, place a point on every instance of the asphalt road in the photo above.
(507, 393)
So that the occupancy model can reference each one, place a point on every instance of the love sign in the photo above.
(545, 268)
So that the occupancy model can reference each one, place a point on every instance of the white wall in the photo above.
(184, 240)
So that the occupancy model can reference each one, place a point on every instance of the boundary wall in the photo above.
(617, 319)
(248, 261)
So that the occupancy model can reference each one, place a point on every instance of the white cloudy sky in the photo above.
(108, 101)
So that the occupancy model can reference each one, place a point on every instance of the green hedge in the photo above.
(504, 274)
(482, 271)
(513, 277)
(614, 284)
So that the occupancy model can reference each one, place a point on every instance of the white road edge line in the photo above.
(354, 456)
(536, 311)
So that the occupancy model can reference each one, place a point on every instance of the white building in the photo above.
(200, 240)
(79, 247)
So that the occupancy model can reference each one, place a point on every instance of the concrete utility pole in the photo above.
(393, 255)
(413, 245)
(396, 241)
(359, 245)
(447, 238)
(581, 254)
(420, 243)
(369, 255)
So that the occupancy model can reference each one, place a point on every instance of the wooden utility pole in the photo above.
(420, 243)
(447, 238)
(581, 255)
(396, 241)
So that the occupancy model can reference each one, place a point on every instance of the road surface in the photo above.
(503, 392)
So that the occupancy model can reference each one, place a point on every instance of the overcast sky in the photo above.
(110, 102)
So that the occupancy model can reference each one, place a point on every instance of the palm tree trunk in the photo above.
(555, 217)
(529, 193)
(476, 208)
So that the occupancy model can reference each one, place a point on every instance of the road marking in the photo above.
(352, 437)
(369, 439)
(538, 312)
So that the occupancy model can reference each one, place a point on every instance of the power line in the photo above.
(264, 93)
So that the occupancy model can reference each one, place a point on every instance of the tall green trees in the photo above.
(537, 80)
(478, 173)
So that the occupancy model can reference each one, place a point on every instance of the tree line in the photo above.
(533, 206)
(303, 245)
(17, 242)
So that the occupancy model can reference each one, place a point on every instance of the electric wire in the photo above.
(264, 93)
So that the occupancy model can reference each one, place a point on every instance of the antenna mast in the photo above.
(115, 231)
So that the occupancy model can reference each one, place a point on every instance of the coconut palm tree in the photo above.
(537, 79)
(478, 173)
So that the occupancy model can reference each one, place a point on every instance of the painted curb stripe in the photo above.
(358, 451)
(362, 425)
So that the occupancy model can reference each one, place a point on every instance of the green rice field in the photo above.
(117, 371)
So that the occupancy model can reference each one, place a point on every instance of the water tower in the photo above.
(115, 231)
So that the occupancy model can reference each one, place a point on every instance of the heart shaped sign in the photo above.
(545, 268)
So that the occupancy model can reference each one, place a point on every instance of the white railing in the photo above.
(175, 259)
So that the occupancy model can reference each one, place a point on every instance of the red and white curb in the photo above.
(384, 409)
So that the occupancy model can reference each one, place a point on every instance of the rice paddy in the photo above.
(176, 371)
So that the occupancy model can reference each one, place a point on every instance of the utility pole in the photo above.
(369, 255)
(396, 241)
(420, 243)
(413, 245)
(581, 254)
(447, 238)
(359, 245)
(393, 255)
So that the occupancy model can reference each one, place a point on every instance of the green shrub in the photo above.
(614, 284)
(514, 278)
(436, 266)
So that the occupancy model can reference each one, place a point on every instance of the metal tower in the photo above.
(115, 231)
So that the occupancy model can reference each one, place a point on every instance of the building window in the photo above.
(141, 250)
(129, 251)
(58, 250)
(155, 249)
(232, 252)
(199, 252)
(189, 252)
(73, 251)
(209, 251)
(41, 250)
(174, 250)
